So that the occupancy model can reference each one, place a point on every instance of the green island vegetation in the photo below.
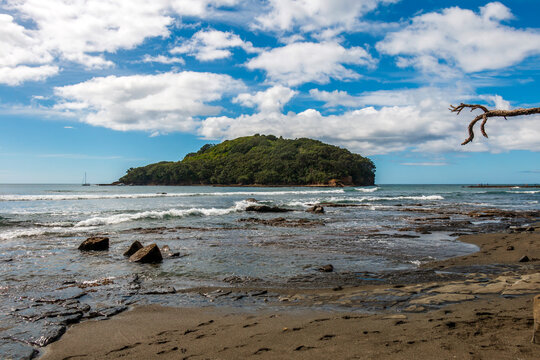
(259, 160)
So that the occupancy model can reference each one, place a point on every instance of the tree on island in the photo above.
(487, 114)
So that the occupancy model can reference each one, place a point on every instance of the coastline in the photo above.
(484, 314)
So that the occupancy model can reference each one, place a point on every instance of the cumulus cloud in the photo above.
(160, 103)
(268, 101)
(39, 33)
(208, 45)
(22, 57)
(162, 59)
(312, 15)
(302, 62)
(459, 38)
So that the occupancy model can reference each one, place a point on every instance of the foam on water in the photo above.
(46, 197)
(367, 190)
(125, 217)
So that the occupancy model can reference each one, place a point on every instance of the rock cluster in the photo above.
(136, 252)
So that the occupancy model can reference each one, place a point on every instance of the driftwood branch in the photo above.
(487, 114)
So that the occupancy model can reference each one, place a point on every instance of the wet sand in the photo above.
(483, 316)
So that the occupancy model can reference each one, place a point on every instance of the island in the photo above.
(260, 160)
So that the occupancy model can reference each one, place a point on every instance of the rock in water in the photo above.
(96, 243)
(148, 254)
(266, 209)
(136, 246)
(317, 209)
(536, 315)
(524, 258)
(327, 268)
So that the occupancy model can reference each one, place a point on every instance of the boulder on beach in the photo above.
(266, 209)
(317, 209)
(148, 254)
(136, 246)
(95, 243)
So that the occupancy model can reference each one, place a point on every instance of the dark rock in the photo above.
(510, 248)
(61, 295)
(95, 243)
(266, 209)
(39, 334)
(317, 209)
(16, 351)
(252, 200)
(530, 228)
(160, 291)
(108, 312)
(136, 246)
(524, 258)
(148, 254)
(166, 252)
(326, 268)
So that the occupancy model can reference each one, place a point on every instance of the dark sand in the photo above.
(482, 317)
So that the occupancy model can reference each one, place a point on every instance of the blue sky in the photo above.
(101, 86)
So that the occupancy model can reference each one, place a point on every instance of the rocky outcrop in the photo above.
(95, 243)
(317, 209)
(266, 209)
(136, 246)
(148, 254)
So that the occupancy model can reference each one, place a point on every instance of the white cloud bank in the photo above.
(158, 103)
(440, 41)
(302, 62)
(421, 122)
(83, 31)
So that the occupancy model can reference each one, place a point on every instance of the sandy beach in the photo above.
(483, 315)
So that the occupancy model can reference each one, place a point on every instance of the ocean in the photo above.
(42, 225)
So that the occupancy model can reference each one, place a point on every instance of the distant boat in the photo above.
(84, 182)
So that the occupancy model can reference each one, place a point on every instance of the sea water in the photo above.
(42, 225)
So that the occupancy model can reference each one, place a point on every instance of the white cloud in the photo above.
(159, 103)
(422, 123)
(302, 62)
(396, 97)
(208, 45)
(83, 31)
(19, 74)
(314, 15)
(22, 57)
(459, 38)
(162, 59)
(270, 100)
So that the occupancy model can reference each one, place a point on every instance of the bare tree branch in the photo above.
(487, 114)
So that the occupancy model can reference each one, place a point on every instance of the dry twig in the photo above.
(487, 114)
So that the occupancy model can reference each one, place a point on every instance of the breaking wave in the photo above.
(171, 213)
(60, 197)
(367, 190)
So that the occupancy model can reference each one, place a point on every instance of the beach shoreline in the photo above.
(486, 314)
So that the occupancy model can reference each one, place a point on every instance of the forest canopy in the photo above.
(259, 160)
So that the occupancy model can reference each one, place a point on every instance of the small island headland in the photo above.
(260, 160)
